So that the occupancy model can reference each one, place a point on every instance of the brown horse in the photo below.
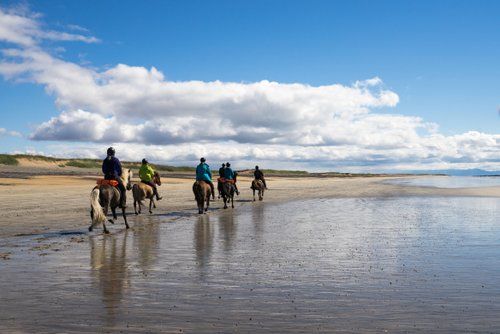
(141, 191)
(227, 192)
(202, 192)
(103, 197)
(259, 186)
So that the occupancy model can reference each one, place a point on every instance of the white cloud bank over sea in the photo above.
(277, 124)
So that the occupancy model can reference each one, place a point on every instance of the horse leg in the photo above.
(113, 210)
(253, 194)
(105, 209)
(151, 201)
(200, 205)
(125, 218)
(140, 203)
(104, 228)
(232, 201)
(91, 227)
(154, 203)
(135, 207)
(208, 203)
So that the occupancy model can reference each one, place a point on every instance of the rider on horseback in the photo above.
(221, 176)
(112, 169)
(259, 175)
(230, 175)
(146, 173)
(203, 173)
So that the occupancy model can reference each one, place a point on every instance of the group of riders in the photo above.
(112, 170)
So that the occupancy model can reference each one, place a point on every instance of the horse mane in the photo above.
(126, 173)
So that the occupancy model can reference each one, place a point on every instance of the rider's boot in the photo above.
(158, 197)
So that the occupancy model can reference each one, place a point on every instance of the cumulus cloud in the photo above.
(132, 106)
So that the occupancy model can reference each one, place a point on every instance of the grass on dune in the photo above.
(6, 159)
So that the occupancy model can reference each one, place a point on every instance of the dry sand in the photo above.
(41, 204)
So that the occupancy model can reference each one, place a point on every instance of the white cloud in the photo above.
(18, 26)
(280, 123)
(5, 132)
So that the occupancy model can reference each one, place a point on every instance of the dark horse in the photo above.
(202, 192)
(227, 192)
(104, 196)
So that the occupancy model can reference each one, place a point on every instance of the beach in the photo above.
(40, 203)
(349, 255)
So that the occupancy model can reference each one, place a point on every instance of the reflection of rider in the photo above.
(146, 173)
(230, 175)
(221, 175)
(203, 173)
(112, 169)
(259, 175)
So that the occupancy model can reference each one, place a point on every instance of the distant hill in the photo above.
(47, 162)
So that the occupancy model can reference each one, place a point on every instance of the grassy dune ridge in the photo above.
(95, 164)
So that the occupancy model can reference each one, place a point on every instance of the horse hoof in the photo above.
(106, 232)
(90, 229)
(151, 212)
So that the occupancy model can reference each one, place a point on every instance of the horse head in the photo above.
(156, 178)
(128, 178)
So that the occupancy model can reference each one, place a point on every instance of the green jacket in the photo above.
(146, 173)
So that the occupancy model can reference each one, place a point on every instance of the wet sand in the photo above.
(42, 204)
(318, 255)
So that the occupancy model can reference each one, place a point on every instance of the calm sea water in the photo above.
(449, 181)
(347, 265)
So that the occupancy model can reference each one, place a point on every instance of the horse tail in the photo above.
(135, 192)
(97, 211)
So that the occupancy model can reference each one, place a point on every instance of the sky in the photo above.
(317, 85)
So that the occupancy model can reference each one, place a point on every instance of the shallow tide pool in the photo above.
(347, 265)
(448, 181)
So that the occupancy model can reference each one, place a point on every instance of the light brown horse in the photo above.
(202, 192)
(103, 197)
(141, 191)
(259, 186)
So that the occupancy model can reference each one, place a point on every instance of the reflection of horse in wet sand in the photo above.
(141, 191)
(105, 196)
(202, 192)
(259, 186)
(227, 192)
(111, 272)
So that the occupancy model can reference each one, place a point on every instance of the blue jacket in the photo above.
(203, 172)
(111, 167)
(228, 173)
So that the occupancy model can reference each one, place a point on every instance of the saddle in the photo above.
(223, 180)
(103, 182)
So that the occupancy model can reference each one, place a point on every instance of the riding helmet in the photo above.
(228, 164)
(111, 151)
(202, 160)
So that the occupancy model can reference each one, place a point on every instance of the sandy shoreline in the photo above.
(49, 203)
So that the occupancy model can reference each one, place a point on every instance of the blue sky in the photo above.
(439, 57)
